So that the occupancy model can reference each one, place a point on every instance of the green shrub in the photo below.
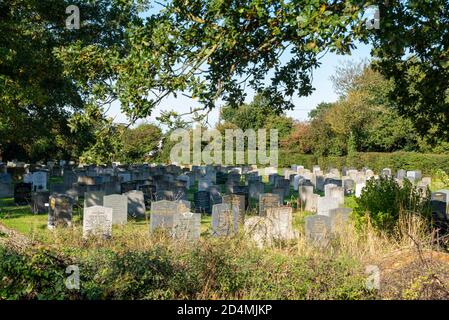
(384, 200)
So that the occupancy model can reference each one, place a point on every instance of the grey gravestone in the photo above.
(40, 181)
(136, 203)
(267, 200)
(93, 198)
(401, 174)
(325, 204)
(97, 221)
(237, 201)
(6, 190)
(339, 218)
(40, 202)
(224, 220)
(187, 226)
(318, 228)
(163, 214)
(348, 186)
(60, 211)
(256, 188)
(282, 218)
(307, 198)
(260, 230)
(119, 205)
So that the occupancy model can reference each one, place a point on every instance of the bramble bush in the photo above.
(383, 201)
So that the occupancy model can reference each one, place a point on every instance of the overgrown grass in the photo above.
(137, 265)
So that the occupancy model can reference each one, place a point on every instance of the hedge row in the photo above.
(376, 161)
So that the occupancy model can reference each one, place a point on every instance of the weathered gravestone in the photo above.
(282, 219)
(22, 193)
(325, 204)
(260, 230)
(318, 228)
(97, 221)
(93, 198)
(40, 202)
(224, 220)
(163, 214)
(119, 205)
(237, 201)
(339, 218)
(268, 200)
(308, 198)
(60, 211)
(136, 203)
(187, 226)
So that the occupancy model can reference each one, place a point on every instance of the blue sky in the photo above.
(324, 91)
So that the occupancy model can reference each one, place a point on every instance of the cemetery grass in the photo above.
(135, 265)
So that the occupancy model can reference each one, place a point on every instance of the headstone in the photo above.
(60, 211)
(256, 189)
(260, 230)
(349, 186)
(282, 218)
(93, 198)
(163, 214)
(40, 181)
(439, 204)
(401, 174)
(119, 205)
(224, 220)
(40, 202)
(308, 198)
(136, 203)
(268, 200)
(325, 204)
(237, 201)
(318, 228)
(6, 190)
(22, 193)
(414, 176)
(187, 226)
(97, 221)
(359, 189)
(339, 218)
(202, 202)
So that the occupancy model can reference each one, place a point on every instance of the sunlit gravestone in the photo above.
(318, 228)
(97, 221)
(224, 220)
(60, 211)
(119, 205)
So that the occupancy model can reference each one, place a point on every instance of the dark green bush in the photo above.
(384, 200)
(208, 271)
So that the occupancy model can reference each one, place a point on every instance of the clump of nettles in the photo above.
(384, 201)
